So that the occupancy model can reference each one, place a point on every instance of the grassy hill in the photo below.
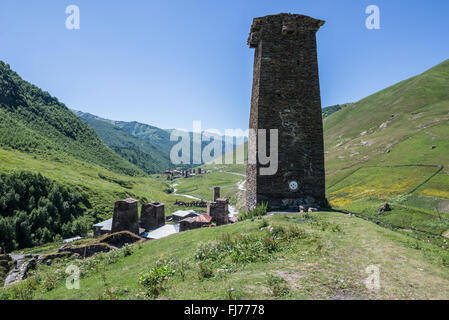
(157, 136)
(394, 146)
(146, 146)
(327, 111)
(317, 256)
(143, 153)
(40, 135)
(34, 122)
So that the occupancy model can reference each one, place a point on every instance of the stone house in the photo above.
(203, 220)
(183, 214)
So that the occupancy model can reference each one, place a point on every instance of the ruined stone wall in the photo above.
(286, 96)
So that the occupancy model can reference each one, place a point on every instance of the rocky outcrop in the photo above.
(6, 265)
(385, 208)
(22, 265)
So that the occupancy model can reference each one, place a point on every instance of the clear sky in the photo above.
(167, 63)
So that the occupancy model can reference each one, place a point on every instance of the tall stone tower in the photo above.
(286, 96)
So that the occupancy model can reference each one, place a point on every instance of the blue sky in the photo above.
(167, 63)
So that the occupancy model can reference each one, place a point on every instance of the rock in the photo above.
(385, 208)
(22, 265)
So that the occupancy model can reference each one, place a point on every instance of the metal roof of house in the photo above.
(162, 232)
(72, 239)
(105, 225)
(182, 213)
(189, 220)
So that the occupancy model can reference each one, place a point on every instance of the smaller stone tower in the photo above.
(216, 193)
(152, 216)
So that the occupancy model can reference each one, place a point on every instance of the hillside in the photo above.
(327, 111)
(143, 153)
(138, 142)
(157, 136)
(34, 122)
(317, 256)
(42, 140)
(394, 146)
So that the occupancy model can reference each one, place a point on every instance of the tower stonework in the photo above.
(126, 216)
(286, 96)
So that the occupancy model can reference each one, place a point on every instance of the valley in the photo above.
(391, 147)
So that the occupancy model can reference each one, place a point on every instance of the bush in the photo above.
(277, 285)
(260, 210)
(242, 249)
(205, 271)
(154, 281)
(24, 290)
(127, 250)
(263, 224)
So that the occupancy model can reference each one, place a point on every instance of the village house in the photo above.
(182, 214)
(102, 228)
(202, 220)
(152, 221)
(162, 232)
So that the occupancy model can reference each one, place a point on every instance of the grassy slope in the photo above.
(368, 143)
(157, 136)
(329, 263)
(33, 121)
(103, 187)
(142, 153)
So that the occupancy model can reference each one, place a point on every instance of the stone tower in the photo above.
(152, 216)
(126, 216)
(286, 96)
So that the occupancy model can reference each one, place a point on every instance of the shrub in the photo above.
(154, 281)
(48, 282)
(260, 210)
(241, 249)
(263, 224)
(277, 285)
(127, 250)
(205, 270)
(24, 290)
